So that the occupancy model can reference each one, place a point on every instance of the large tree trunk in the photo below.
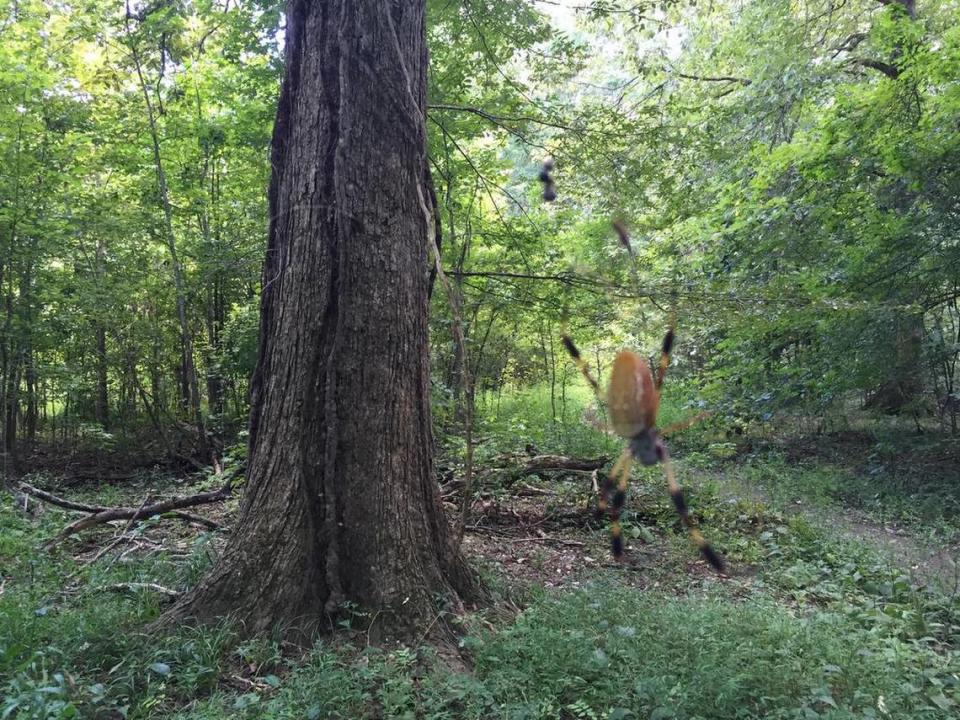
(341, 503)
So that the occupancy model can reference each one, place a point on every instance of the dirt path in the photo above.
(937, 566)
(931, 564)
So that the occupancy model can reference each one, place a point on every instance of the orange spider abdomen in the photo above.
(632, 397)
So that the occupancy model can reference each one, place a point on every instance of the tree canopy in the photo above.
(788, 172)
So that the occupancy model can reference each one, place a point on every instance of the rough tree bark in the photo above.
(341, 502)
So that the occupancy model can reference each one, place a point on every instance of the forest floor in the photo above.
(559, 547)
(546, 531)
(841, 600)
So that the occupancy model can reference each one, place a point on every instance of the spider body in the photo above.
(633, 399)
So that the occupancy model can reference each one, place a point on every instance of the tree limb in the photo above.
(498, 119)
(891, 71)
(716, 78)
(850, 43)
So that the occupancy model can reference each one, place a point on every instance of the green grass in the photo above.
(927, 508)
(613, 652)
(609, 652)
(67, 643)
(813, 624)
(825, 629)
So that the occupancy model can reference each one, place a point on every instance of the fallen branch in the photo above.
(131, 586)
(101, 514)
(58, 501)
(196, 519)
(542, 463)
(83, 507)
(557, 541)
(528, 490)
(122, 513)
(122, 537)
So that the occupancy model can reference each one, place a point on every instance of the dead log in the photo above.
(102, 514)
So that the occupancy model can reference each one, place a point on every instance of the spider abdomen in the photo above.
(632, 396)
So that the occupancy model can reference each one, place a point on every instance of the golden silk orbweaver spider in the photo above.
(633, 399)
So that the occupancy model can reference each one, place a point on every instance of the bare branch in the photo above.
(499, 119)
(716, 78)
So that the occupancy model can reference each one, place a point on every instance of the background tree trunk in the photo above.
(904, 382)
(189, 387)
(101, 404)
(342, 503)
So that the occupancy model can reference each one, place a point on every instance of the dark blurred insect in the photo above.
(549, 190)
(633, 398)
(623, 236)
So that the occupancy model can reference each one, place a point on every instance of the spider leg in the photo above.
(582, 367)
(619, 500)
(676, 494)
(683, 424)
(606, 489)
(664, 357)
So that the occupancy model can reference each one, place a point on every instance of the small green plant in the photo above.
(261, 654)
